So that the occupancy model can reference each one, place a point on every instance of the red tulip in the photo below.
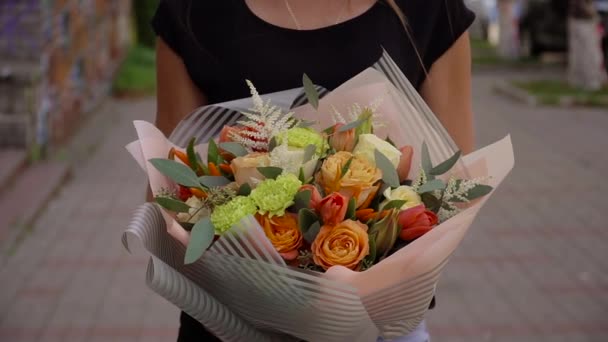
(333, 209)
(415, 222)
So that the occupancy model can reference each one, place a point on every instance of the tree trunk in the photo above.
(508, 45)
(584, 53)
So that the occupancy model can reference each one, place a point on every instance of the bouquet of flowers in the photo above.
(328, 221)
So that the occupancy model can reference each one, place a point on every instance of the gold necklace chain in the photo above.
(297, 23)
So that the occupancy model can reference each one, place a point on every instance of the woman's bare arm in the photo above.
(447, 91)
(176, 94)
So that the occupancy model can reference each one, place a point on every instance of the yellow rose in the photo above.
(343, 245)
(245, 168)
(402, 193)
(369, 143)
(358, 182)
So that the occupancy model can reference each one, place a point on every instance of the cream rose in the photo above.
(369, 143)
(245, 168)
(195, 211)
(402, 193)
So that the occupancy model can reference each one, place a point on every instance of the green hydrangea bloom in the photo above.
(301, 137)
(225, 216)
(275, 196)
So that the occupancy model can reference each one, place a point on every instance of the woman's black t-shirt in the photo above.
(222, 43)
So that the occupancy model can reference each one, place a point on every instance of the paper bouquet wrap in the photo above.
(241, 289)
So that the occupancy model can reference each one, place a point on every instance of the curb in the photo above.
(507, 89)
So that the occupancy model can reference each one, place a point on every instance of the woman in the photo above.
(206, 49)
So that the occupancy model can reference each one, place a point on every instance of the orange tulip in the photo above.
(342, 141)
(315, 196)
(405, 163)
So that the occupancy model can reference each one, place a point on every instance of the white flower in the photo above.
(291, 160)
(369, 143)
(196, 212)
(402, 193)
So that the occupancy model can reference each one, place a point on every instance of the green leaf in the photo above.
(270, 172)
(435, 184)
(427, 164)
(312, 232)
(192, 155)
(302, 199)
(309, 152)
(172, 204)
(177, 172)
(478, 191)
(233, 148)
(371, 257)
(202, 165)
(306, 218)
(244, 190)
(351, 209)
(389, 173)
(200, 239)
(431, 202)
(213, 153)
(272, 144)
(311, 92)
(346, 167)
(214, 181)
(305, 123)
(446, 165)
(301, 176)
(351, 125)
(394, 204)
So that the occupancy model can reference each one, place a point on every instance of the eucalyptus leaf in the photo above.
(301, 176)
(272, 144)
(351, 125)
(431, 202)
(389, 173)
(177, 172)
(270, 172)
(172, 204)
(478, 191)
(233, 148)
(311, 91)
(200, 239)
(427, 164)
(351, 210)
(435, 184)
(302, 199)
(214, 181)
(306, 218)
(306, 124)
(446, 165)
(309, 152)
(312, 232)
(192, 155)
(346, 167)
(371, 257)
(244, 190)
(213, 152)
(394, 204)
(375, 204)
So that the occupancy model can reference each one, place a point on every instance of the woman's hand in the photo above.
(447, 91)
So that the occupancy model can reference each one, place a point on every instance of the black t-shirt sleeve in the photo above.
(452, 19)
(168, 26)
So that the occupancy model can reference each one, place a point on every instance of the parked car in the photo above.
(543, 26)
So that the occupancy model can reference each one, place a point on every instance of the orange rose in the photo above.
(333, 208)
(342, 141)
(284, 234)
(416, 222)
(345, 244)
(360, 181)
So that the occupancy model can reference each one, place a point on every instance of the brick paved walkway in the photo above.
(534, 267)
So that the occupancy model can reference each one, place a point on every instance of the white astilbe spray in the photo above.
(456, 191)
(263, 122)
(420, 180)
(355, 111)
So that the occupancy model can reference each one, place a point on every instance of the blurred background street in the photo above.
(534, 267)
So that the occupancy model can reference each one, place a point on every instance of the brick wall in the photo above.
(64, 52)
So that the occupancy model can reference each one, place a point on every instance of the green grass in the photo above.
(485, 54)
(552, 92)
(137, 75)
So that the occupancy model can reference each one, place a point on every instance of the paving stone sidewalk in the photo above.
(533, 268)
